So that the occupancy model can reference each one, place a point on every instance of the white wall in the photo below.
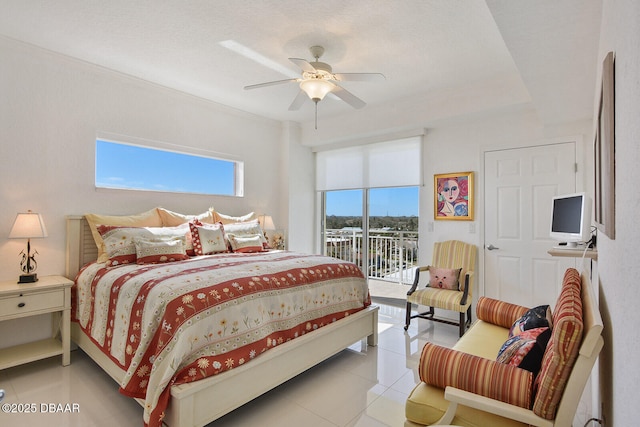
(51, 108)
(618, 261)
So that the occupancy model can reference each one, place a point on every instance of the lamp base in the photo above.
(28, 278)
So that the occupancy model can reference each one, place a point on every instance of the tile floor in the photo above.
(357, 387)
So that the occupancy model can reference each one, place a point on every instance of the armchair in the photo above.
(452, 254)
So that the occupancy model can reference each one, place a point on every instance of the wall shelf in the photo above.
(574, 253)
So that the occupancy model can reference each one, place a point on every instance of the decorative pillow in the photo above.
(207, 238)
(526, 349)
(120, 245)
(150, 218)
(246, 243)
(247, 228)
(537, 317)
(160, 251)
(444, 278)
(229, 219)
(171, 219)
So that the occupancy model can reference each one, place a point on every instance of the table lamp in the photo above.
(266, 222)
(28, 225)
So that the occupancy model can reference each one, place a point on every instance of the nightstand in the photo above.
(50, 294)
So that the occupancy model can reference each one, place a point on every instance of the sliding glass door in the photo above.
(377, 229)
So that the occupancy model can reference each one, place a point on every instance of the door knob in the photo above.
(491, 247)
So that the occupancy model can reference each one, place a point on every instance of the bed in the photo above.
(237, 376)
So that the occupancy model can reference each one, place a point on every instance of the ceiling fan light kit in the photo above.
(318, 80)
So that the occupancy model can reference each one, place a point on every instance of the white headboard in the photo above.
(81, 248)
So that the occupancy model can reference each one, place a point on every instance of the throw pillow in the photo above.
(208, 238)
(444, 278)
(537, 317)
(526, 349)
(160, 251)
(245, 243)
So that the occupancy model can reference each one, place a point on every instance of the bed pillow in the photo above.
(120, 245)
(172, 219)
(151, 218)
(526, 349)
(208, 238)
(160, 251)
(537, 317)
(444, 278)
(229, 219)
(246, 243)
(248, 228)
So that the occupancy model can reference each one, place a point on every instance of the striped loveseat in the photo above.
(466, 386)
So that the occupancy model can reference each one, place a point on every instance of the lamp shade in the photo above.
(316, 89)
(28, 225)
(267, 222)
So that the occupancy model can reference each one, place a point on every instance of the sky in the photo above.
(135, 167)
(402, 201)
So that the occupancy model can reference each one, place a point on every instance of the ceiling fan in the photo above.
(318, 79)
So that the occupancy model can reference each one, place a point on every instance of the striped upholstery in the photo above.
(499, 313)
(455, 254)
(562, 349)
(450, 254)
(442, 367)
(441, 298)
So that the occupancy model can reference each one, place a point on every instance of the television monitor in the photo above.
(571, 219)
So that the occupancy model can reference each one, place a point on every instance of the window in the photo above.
(135, 167)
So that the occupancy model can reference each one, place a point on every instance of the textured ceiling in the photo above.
(544, 51)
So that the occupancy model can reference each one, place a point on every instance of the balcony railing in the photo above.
(392, 254)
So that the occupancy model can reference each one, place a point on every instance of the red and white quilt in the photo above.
(179, 322)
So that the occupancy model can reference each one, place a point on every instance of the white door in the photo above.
(519, 186)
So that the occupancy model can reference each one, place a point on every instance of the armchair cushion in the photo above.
(499, 313)
(442, 367)
(444, 278)
(442, 298)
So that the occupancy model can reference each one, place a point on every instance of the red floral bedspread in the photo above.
(179, 322)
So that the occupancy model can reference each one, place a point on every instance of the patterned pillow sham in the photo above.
(444, 278)
(151, 218)
(120, 245)
(525, 350)
(208, 238)
(160, 251)
(248, 228)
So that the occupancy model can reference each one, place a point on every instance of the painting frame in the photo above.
(604, 152)
(458, 205)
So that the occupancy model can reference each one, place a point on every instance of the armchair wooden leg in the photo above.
(407, 316)
(463, 323)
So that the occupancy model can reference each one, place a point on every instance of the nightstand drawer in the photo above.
(31, 302)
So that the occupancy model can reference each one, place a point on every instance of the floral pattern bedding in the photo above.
(178, 322)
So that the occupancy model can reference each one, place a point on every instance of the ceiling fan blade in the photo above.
(298, 101)
(276, 82)
(360, 77)
(303, 64)
(348, 97)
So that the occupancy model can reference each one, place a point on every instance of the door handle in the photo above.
(491, 247)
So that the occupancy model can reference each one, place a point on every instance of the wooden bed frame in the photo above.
(201, 402)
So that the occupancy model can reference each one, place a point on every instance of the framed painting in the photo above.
(604, 153)
(454, 196)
